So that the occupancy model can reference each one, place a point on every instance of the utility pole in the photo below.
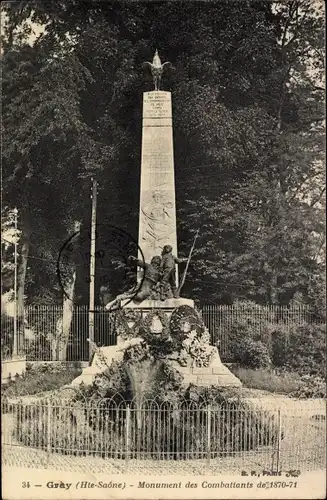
(92, 263)
(15, 346)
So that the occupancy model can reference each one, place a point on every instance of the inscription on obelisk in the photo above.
(157, 221)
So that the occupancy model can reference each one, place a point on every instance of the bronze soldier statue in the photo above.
(151, 278)
(167, 267)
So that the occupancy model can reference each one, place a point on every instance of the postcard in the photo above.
(163, 325)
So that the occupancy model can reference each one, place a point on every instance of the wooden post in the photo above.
(92, 264)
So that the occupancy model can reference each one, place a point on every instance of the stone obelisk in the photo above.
(157, 220)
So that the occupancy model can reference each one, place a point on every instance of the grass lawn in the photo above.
(40, 379)
(267, 380)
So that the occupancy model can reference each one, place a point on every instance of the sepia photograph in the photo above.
(163, 291)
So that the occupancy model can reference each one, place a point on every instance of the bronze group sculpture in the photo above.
(159, 279)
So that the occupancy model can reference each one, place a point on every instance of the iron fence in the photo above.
(117, 436)
(223, 321)
(7, 337)
(41, 328)
(41, 332)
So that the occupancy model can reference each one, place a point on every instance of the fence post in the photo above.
(279, 439)
(208, 435)
(48, 431)
(127, 435)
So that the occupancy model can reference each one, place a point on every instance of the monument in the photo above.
(158, 241)
(157, 213)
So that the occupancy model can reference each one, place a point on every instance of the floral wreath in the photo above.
(122, 318)
(180, 316)
(145, 327)
(197, 349)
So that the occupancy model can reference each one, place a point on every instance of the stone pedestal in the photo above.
(12, 367)
(215, 374)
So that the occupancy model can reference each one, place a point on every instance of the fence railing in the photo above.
(40, 330)
(217, 437)
(40, 333)
(221, 319)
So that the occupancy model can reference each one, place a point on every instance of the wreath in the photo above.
(196, 349)
(146, 323)
(180, 316)
(125, 316)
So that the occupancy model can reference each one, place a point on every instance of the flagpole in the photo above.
(187, 263)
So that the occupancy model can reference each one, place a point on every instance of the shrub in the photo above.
(80, 433)
(45, 377)
(53, 368)
(6, 335)
(168, 385)
(301, 350)
(311, 387)
(250, 322)
(112, 381)
(252, 353)
(179, 429)
(279, 345)
(239, 330)
(306, 350)
(38, 348)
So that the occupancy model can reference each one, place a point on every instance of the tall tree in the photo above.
(45, 143)
(264, 233)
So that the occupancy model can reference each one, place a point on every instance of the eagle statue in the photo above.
(157, 69)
